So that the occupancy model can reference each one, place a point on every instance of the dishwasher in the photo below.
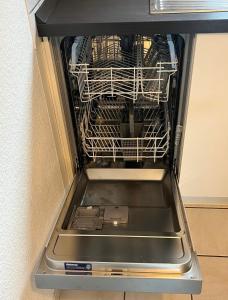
(127, 68)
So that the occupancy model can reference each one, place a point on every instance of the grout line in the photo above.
(213, 256)
(57, 294)
(205, 207)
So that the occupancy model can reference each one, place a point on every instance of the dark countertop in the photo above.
(88, 17)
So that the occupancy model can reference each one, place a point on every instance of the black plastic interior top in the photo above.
(92, 17)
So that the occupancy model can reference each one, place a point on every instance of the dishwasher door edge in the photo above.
(186, 283)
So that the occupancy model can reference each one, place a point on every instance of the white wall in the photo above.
(204, 171)
(31, 186)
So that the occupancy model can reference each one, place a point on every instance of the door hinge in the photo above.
(178, 135)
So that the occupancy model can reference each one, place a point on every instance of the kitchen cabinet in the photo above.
(217, 184)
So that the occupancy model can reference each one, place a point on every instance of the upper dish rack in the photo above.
(132, 67)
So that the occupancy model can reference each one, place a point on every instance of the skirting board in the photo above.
(205, 202)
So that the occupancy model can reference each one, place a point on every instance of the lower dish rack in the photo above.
(107, 132)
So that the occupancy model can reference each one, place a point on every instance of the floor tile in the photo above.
(215, 278)
(90, 295)
(151, 296)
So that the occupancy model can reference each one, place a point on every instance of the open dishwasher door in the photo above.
(123, 226)
(131, 236)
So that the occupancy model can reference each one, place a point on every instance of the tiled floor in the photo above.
(84, 295)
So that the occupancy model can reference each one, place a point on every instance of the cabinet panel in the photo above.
(215, 278)
(204, 163)
(209, 230)
(148, 296)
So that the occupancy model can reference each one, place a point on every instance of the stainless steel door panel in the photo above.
(155, 250)
(127, 254)
(127, 249)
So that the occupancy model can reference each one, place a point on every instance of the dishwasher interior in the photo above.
(123, 85)
(123, 226)
(123, 122)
